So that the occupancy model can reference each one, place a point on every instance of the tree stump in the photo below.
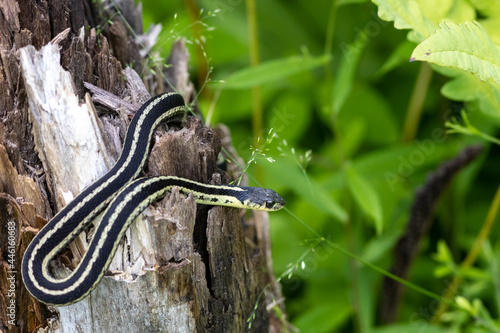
(68, 92)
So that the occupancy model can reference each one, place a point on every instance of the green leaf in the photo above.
(353, 136)
(273, 70)
(366, 197)
(290, 115)
(445, 258)
(491, 27)
(468, 88)
(443, 254)
(406, 15)
(442, 271)
(378, 248)
(418, 325)
(474, 273)
(323, 317)
(347, 70)
(399, 56)
(461, 88)
(367, 105)
(367, 299)
(488, 8)
(436, 13)
(461, 11)
(464, 46)
(286, 169)
(349, 2)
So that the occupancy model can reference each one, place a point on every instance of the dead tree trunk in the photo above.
(69, 83)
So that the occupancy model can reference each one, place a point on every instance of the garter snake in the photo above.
(122, 196)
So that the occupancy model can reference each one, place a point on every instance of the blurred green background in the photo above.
(356, 129)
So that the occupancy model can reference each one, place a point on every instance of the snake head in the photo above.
(264, 199)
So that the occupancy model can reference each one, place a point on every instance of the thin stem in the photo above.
(196, 28)
(256, 92)
(387, 273)
(368, 264)
(354, 256)
(472, 255)
(416, 103)
(485, 231)
(495, 273)
(254, 61)
(468, 129)
(211, 108)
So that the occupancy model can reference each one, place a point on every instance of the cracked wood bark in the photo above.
(181, 267)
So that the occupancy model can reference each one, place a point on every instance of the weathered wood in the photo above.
(181, 267)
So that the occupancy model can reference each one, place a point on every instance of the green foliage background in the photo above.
(356, 129)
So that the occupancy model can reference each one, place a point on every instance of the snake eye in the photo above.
(269, 204)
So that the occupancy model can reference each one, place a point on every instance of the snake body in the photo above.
(122, 196)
